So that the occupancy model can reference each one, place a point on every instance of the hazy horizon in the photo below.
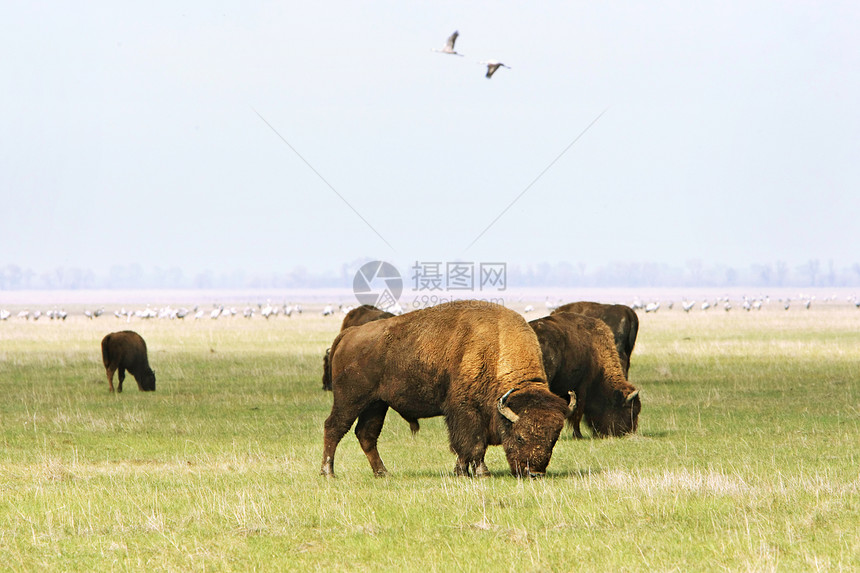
(440, 275)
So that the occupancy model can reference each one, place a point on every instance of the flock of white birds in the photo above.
(725, 302)
(268, 310)
(492, 65)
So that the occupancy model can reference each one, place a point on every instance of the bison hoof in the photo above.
(327, 469)
(482, 471)
(381, 473)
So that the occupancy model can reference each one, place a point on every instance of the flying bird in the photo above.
(449, 45)
(492, 66)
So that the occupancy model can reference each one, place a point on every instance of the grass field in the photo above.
(747, 458)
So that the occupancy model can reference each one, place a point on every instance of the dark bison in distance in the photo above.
(621, 319)
(476, 363)
(579, 356)
(362, 315)
(356, 317)
(123, 351)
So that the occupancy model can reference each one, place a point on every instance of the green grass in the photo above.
(747, 458)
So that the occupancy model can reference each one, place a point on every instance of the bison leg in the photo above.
(336, 426)
(467, 443)
(121, 379)
(467, 468)
(461, 468)
(481, 469)
(367, 431)
(110, 370)
(575, 421)
(334, 431)
(625, 363)
(477, 468)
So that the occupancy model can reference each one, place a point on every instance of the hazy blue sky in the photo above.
(130, 133)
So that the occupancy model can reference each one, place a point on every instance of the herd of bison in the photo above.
(497, 379)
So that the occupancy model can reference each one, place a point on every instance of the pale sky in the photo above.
(131, 134)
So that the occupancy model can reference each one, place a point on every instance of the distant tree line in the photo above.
(813, 273)
(14, 277)
(694, 273)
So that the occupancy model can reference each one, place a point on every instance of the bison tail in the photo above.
(634, 332)
(326, 378)
(106, 350)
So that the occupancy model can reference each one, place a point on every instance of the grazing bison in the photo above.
(123, 351)
(579, 356)
(621, 319)
(477, 364)
(356, 317)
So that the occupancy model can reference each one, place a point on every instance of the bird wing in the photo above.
(449, 45)
(491, 69)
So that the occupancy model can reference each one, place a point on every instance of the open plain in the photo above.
(747, 456)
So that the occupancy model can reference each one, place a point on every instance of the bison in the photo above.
(477, 364)
(356, 317)
(362, 315)
(621, 319)
(123, 351)
(579, 356)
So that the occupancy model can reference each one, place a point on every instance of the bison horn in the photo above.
(505, 411)
(572, 406)
(631, 396)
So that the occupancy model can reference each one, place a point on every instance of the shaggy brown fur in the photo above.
(621, 319)
(123, 351)
(455, 360)
(579, 355)
(356, 317)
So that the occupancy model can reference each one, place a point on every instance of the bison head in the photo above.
(532, 421)
(619, 417)
(146, 382)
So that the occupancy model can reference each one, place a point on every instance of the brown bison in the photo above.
(356, 317)
(579, 356)
(477, 364)
(123, 351)
(621, 319)
(362, 315)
